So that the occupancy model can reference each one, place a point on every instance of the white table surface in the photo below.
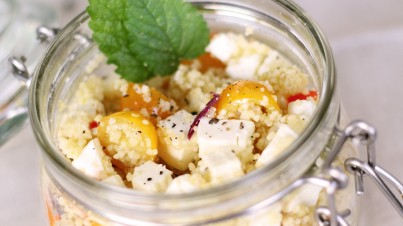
(367, 40)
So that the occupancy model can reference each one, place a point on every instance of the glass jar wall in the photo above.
(18, 23)
(252, 200)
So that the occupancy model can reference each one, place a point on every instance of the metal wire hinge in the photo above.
(333, 179)
(366, 136)
(18, 64)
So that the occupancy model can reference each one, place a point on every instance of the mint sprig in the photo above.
(145, 38)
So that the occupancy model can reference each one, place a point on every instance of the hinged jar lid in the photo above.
(18, 23)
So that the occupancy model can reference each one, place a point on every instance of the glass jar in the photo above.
(278, 192)
(18, 23)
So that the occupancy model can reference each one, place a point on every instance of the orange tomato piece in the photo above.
(93, 223)
(52, 218)
(154, 102)
(250, 90)
(207, 61)
(137, 122)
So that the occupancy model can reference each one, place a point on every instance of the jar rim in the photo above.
(324, 102)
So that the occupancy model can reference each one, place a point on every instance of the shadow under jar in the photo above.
(272, 193)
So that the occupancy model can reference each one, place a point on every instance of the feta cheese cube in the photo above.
(114, 180)
(222, 166)
(267, 62)
(151, 177)
(223, 135)
(92, 161)
(296, 122)
(307, 195)
(305, 108)
(281, 140)
(175, 148)
(222, 47)
(244, 68)
(186, 183)
(271, 217)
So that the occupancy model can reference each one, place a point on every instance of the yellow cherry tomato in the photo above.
(207, 61)
(51, 216)
(247, 90)
(118, 132)
(141, 97)
(93, 223)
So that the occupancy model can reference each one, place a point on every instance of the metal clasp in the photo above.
(18, 67)
(360, 133)
(46, 34)
(366, 136)
(332, 178)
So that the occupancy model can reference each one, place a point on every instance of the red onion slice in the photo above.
(196, 122)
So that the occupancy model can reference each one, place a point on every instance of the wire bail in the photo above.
(18, 64)
(360, 133)
(366, 135)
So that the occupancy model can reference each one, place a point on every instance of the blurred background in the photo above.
(367, 41)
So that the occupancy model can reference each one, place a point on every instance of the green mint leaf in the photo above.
(145, 38)
(107, 23)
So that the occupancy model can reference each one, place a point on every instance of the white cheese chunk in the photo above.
(267, 62)
(175, 148)
(244, 68)
(281, 140)
(186, 183)
(222, 47)
(92, 161)
(307, 195)
(151, 177)
(305, 108)
(115, 180)
(222, 166)
(178, 123)
(218, 135)
(271, 217)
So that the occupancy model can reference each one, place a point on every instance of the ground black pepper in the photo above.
(213, 121)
